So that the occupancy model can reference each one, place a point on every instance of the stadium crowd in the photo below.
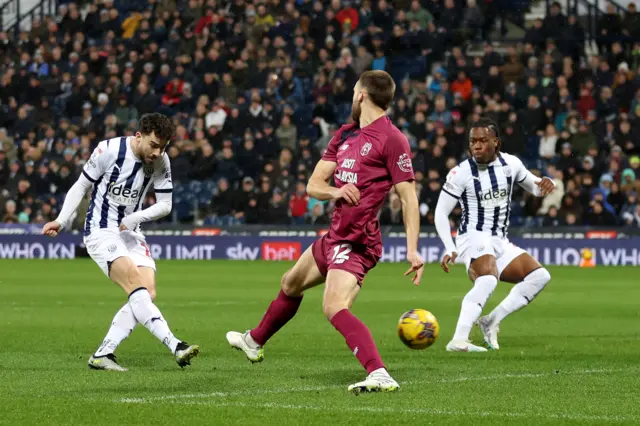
(257, 88)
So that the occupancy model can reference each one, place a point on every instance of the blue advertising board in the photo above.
(557, 251)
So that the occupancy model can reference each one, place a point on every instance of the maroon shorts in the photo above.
(353, 258)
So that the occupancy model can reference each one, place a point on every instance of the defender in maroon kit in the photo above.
(366, 159)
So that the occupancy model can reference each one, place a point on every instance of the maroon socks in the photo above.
(356, 334)
(281, 310)
(358, 339)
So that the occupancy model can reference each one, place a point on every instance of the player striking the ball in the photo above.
(366, 159)
(483, 185)
(120, 171)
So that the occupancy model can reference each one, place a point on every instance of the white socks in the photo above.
(123, 324)
(472, 305)
(248, 339)
(149, 315)
(380, 372)
(521, 294)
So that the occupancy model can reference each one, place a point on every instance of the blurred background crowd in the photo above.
(257, 88)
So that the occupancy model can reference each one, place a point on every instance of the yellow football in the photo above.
(418, 328)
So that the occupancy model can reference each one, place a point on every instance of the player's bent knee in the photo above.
(331, 308)
(134, 275)
(124, 273)
(152, 292)
(132, 279)
(482, 290)
(290, 285)
(544, 275)
(148, 280)
(539, 279)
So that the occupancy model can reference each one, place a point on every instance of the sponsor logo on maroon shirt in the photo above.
(373, 159)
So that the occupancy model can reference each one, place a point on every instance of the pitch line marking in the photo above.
(151, 399)
(412, 411)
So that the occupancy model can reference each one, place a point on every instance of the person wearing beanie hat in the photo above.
(629, 182)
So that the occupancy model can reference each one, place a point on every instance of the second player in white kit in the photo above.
(119, 174)
(483, 185)
(485, 214)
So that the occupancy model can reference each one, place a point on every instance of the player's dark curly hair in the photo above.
(159, 124)
(488, 123)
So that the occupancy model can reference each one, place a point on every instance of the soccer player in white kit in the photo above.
(119, 173)
(483, 186)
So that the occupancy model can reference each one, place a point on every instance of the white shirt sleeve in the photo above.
(525, 179)
(99, 162)
(162, 176)
(446, 204)
(528, 183)
(454, 183)
(72, 200)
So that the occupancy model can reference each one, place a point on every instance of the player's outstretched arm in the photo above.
(452, 190)
(160, 209)
(446, 204)
(540, 187)
(100, 160)
(71, 202)
(411, 215)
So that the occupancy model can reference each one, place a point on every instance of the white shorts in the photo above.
(472, 245)
(106, 245)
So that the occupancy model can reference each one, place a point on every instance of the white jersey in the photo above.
(484, 192)
(120, 182)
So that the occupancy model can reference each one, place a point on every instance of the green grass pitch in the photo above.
(572, 357)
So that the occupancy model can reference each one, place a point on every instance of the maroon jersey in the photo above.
(373, 159)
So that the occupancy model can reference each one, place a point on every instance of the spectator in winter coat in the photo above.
(512, 70)
(204, 167)
(554, 199)
(287, 133)
(298, 204)
(144, 101)
(548, 143)
(222, 202)
(278, 210)
(391, 214)
(599, 216)
(318, 215)
(362, 61)
(418, 13)
(462, 86)
(629, 182)
(472, 18)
